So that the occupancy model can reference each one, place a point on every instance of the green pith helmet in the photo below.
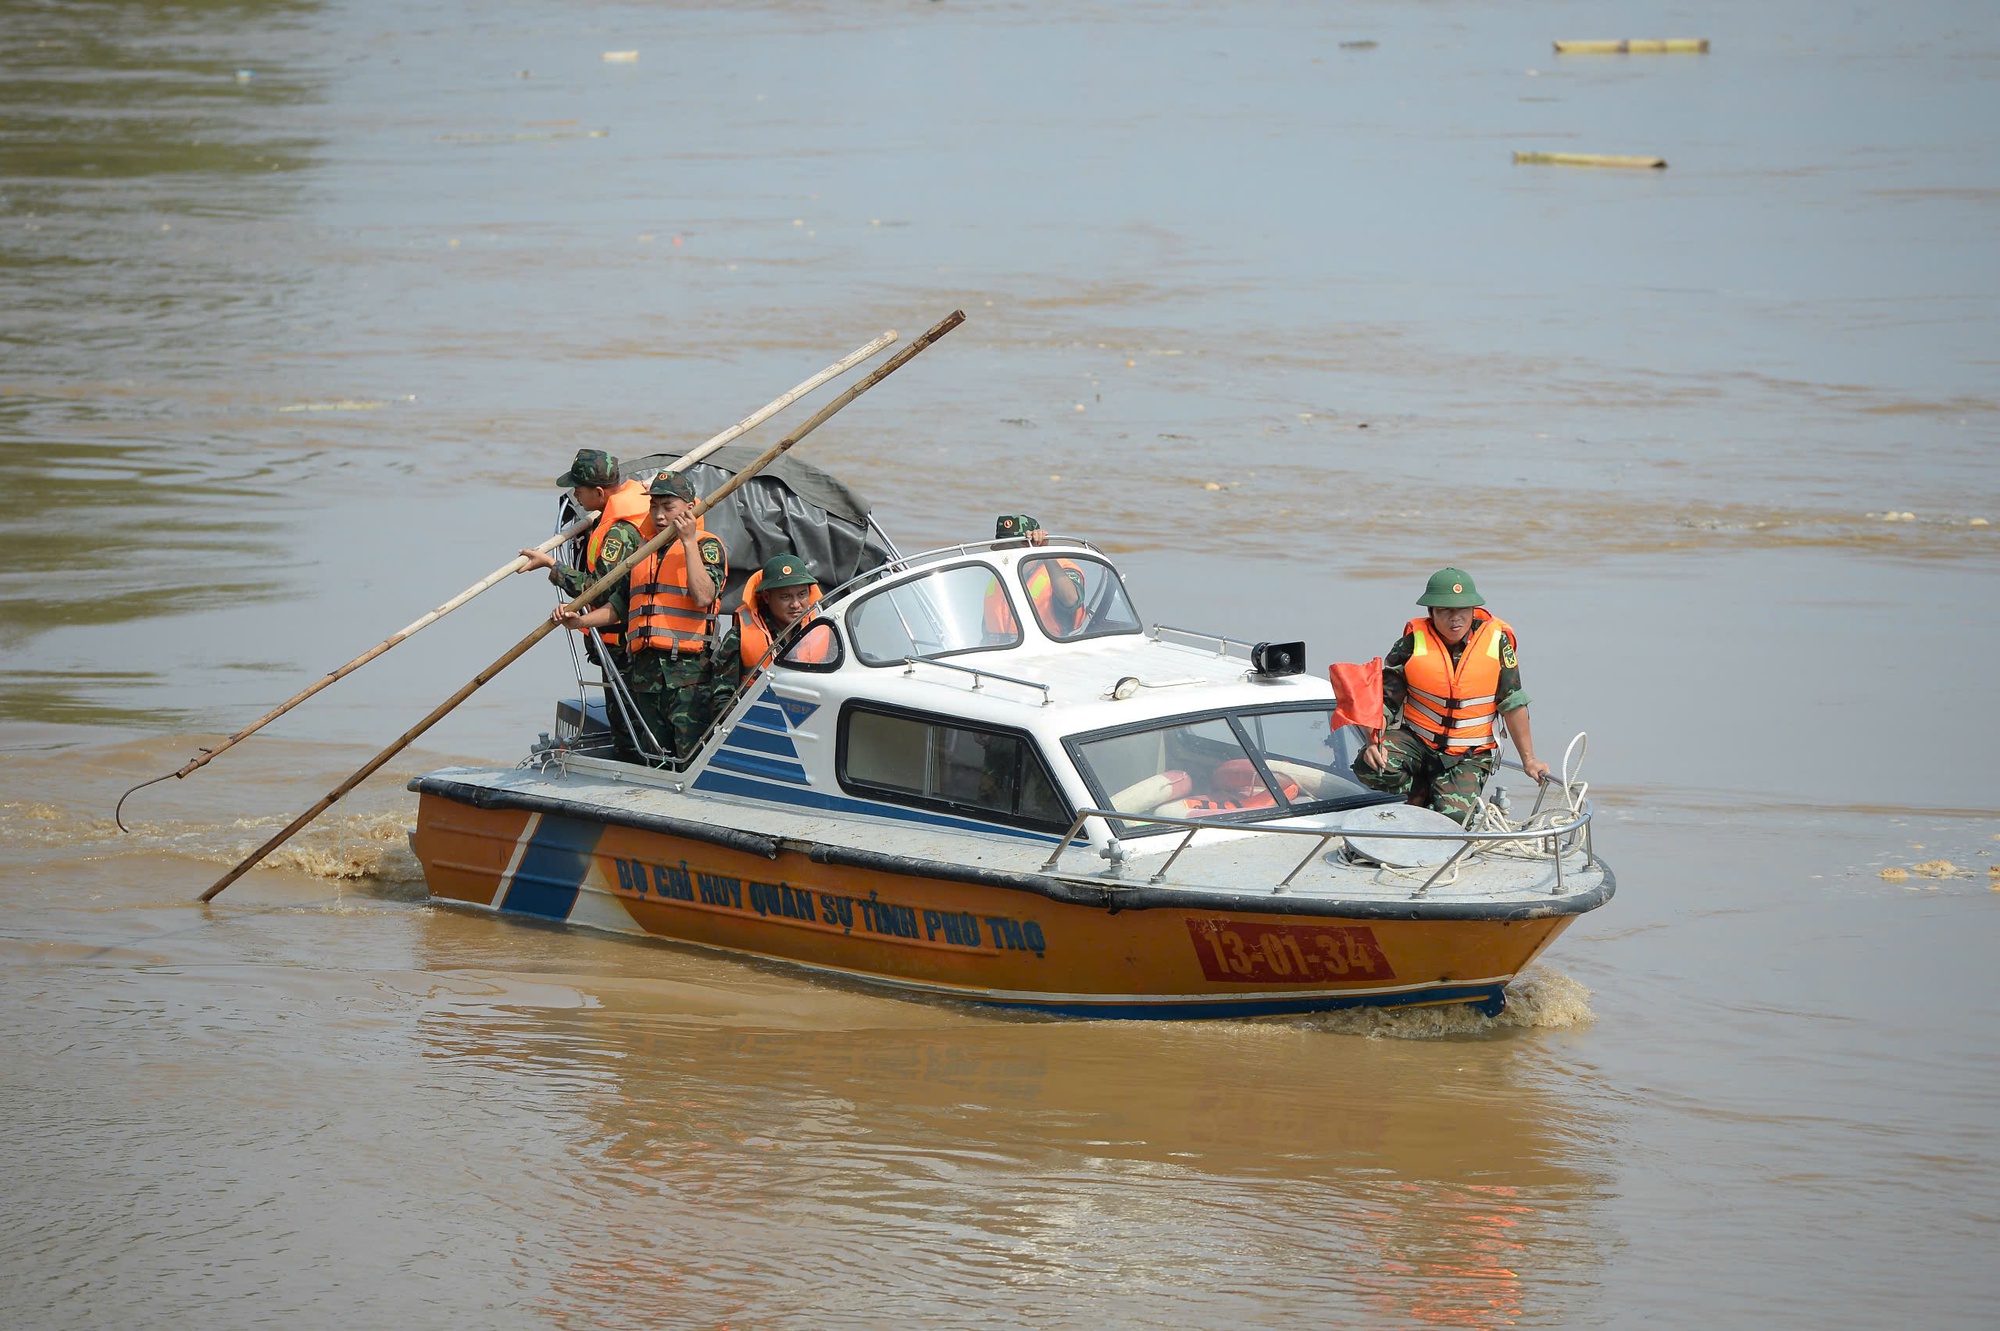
(1451, 589)
(671, 483)
(593, 466)
(1012, 525)
(786, 570)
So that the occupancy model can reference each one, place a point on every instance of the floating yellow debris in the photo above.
(1210, 485)
(1587, 159)
(1638, 46)
(631, 57)
(1936, 869)
(1977, 522)
(344, 404)
(1895, 875)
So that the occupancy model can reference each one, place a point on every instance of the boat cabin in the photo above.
(1005, 688)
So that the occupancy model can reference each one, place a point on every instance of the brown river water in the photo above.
(303, 304)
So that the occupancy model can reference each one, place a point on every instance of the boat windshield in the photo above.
(1234, 766)
(959, 609)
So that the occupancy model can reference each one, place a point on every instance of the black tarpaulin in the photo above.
(789, 507)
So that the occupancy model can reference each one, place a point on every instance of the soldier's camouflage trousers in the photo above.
(675, 699)
(1449, 785)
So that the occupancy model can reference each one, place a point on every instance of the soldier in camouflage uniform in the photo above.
(674, 691)
(1409, 761)
(591, 480)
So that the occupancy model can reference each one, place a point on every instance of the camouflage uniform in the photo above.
(675, 695)
(620, 541)
(1450, 784)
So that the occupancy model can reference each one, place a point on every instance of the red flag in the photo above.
(1357, 693)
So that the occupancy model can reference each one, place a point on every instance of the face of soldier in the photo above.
(590, 498)
(1452, 624)
(666, 510)
(786, 604)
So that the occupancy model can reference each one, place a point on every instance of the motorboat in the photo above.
(975, 773)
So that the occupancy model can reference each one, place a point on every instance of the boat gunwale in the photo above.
(1114, 897)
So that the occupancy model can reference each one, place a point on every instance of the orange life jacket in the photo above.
(1042, 596)
(1258, 799)
(1452, 706)
(1240, 775)
(661, 615)
(753, 635)
(628, 502)
(1042, 593)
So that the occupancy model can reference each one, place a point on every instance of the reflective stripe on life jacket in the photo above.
(627, 503)
(753, 633)
(660, 615)
(1042, 595)
(1452, 706)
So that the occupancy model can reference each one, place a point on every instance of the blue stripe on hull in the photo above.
(552, 868)
(1488, 998)
(751, 764)
(715, 780)
(744, 737)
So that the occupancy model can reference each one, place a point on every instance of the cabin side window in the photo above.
(935, 763)
(815, 647)
(964, 608)
(1075, 597)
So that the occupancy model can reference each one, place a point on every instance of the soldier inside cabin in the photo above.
(1450, 676)
(668, 608)
(1054, 586)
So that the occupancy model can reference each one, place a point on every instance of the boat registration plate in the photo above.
(1244, 953)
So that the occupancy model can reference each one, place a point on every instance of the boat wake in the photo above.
(1538, 999)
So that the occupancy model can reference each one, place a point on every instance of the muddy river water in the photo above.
(303, 304)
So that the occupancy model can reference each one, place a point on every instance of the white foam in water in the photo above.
(1539, 998)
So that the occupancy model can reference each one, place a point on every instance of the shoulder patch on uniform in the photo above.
(1507, 651)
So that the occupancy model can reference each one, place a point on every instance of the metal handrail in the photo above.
(1554, 836)
(1222, 641)
(904, 563)
(910, 668)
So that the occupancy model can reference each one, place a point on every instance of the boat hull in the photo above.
(982, 937)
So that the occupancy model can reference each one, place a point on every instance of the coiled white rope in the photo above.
(1491, 816)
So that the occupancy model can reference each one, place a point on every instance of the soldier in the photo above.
(623, 525)
(1443, 684)
(775, 599)
(1057, 601)
(668, 606)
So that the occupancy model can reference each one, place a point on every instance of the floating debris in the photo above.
(1977, 522)
(1359, 46)
(1895, 875)
(525, 135)
(621, 57)
(1589, 159)
(1937, 869)
(345, 404)
(1638, 46)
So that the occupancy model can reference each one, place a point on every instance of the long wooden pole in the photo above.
(776, 405)
(590, 594)
(505, 571)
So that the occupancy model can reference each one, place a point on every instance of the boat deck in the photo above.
(1235, 867)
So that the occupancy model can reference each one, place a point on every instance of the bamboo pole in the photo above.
(498, 575)
(772, 408)
(505, 571)
(589, 595)
(1589, 159)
